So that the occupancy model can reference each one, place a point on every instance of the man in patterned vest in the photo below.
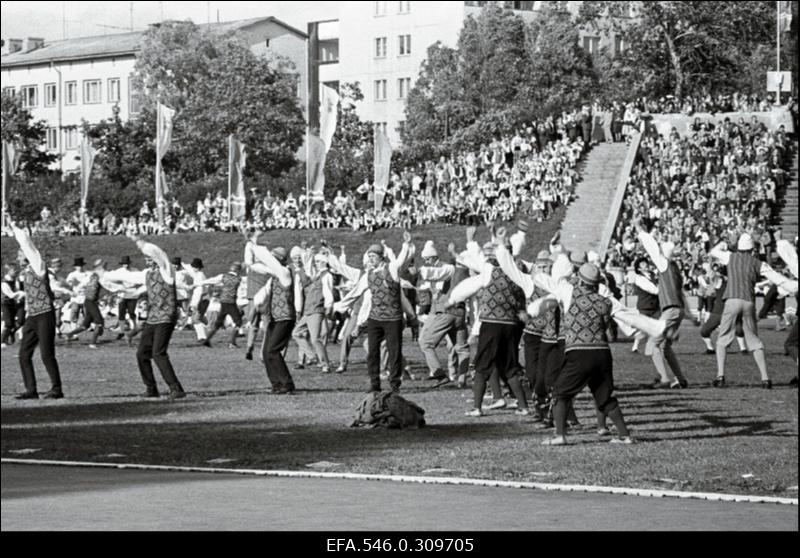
(501, 302)
(385, 320)
(255, 282)
(532, 340)
(441, 322)
(301, 269)
(229, 283)
(587, 356)
(744, 270)
(162, 315)
(672, 302)
(281, 297)
(91, 304)
(318, 307)
(40, 322)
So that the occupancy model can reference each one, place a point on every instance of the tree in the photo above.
(686, 47)
(28, 137)
(218, 87)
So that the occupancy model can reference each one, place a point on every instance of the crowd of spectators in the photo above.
(710, 185)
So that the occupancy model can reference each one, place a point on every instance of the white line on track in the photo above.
(644, 492)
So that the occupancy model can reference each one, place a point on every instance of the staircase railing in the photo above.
(619, 196)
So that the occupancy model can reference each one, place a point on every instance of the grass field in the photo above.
(742, 439)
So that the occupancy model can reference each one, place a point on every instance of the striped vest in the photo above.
(230, 286)
(255, 281)
(93, 288)
(38, 295)
(501, 300)
(385, 293)
(743, 273)
(281, 303)
(314, 300)
(586, 320)
(161, 297)
(670, 287)
(551, 332)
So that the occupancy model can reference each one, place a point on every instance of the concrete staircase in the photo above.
(588, 215)
(787, 218)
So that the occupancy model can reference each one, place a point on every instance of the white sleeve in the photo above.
(160, 257)
(327, 290)
(437, 273)
(510, 268)
(273, 266)
(717, 252)
(470, 287)
(31, 253)
(654, 251)
(788, 254)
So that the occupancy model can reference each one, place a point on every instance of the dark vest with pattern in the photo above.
(586, 320)
(535, 325)
(38, 295)
(93, 288)
(501, 300)
(551, 332)
(161, 299)
(743, 273)
(281, 302)
(644, 300)
(314, 300)
(385, 293)
(670, 287)
(230, 286)
(255, 281)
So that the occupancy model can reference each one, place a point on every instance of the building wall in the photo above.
(359, 26)
(72, 115)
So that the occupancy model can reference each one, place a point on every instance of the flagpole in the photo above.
(158, 166)
(308, 133)
(5, 171)
(230, 167)
(778, 52)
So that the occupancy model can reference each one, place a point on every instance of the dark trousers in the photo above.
(91, 314)
(391, 332)
(551, 359)
(39, 330)
(153, 345)
(9, 321)
(531, 344)
(771, 301)
(275, 341)
(791, 342)
(713, 322)
(498, 349)
(228, 309)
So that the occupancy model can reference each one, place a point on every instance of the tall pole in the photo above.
(778, 52)
(159, 213)
(230, 168)
(131, 9)
(308, 131)
(5, 172)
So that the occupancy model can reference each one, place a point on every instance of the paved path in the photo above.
(75, 498)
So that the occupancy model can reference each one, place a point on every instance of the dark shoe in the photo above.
(719, 382)
(204, 343)
(27, 395)
(766, 384)
(661, 385)
(53, 394)
(438, 375)
(176, 394)
(249, 354)
(684, 383)
(793, 382)
(151, 393)
(744, 352)
(299, 366)
(710, 352)
(676, 385)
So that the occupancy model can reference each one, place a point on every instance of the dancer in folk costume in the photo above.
(228, 283)
(126, 306)
(90, 286)
(162, 316)
(255, 282)
(40, 322)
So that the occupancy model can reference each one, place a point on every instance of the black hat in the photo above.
(125, 260)
(197, 263)
(176, 260)
(79, 262)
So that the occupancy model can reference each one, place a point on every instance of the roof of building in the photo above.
(119, 44)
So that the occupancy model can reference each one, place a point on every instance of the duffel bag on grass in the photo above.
(389, 410)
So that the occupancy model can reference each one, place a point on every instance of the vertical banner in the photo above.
(236, 164)
(163, 141)
(87, 160)
(10, 160)
(328, 113)
(315, 164)
(383, 159)
(784, 16)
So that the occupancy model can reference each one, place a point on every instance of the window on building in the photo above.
(135, 104)
(380, 126)
(620, 46)
(329, 51)
(380, 47)
(404, 46)
(113, 90)
(591, 44)
(50, 95)
(71, 138)
(52, 139)
(380, 89)
(404, 7)
(403, 87)
(30, 96)
(91, 91)
(266, 43)
(71, 93)
(10, 91)
(523, 6)
(380, 8)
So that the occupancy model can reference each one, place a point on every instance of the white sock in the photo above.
(201, 331)
(635, 345)
(742, 346)
(707, 341)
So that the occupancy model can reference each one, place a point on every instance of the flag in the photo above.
(784, 16)
(327, 115)
(316, 167)
(383, 158)
(165, 115)
(10, 160)
(236, 164)
(87, 160)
